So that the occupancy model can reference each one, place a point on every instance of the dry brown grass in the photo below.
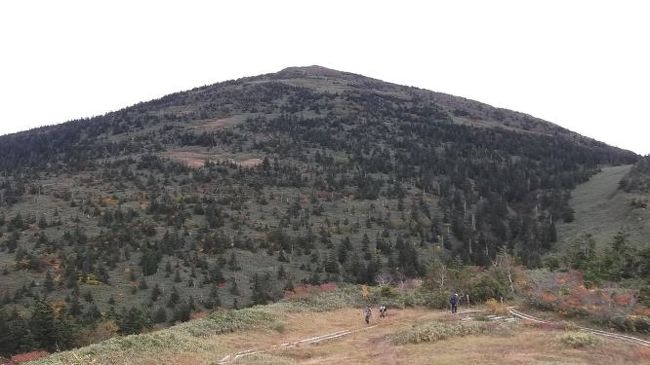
(220, 123)
(525, 347)
(191, 159)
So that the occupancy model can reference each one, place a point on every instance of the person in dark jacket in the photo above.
(454, 303)
(382, 311)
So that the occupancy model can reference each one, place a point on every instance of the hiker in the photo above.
(367, 313)
(454, 303)
(382, 311)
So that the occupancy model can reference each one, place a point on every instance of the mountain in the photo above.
(226, 194)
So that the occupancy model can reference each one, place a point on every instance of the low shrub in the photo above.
(579, 339)
(436, 299)
(438, 331)
(486, 287)
(229, 321)
(482, 318)
(279, 326)
(631, 323)
(644, 295)
(387, 291)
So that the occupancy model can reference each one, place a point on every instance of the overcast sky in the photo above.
(581, 64)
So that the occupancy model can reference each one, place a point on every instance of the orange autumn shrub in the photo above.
(623, 299)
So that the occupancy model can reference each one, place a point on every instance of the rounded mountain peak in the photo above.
(309, 71)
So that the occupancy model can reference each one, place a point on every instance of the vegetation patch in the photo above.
(185, 337)
(439, 331)
(631, 323)
(325, 297)
(579, 339)
(496, 307)
(567, 294)
(229, 321)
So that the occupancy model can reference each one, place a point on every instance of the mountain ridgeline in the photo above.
(227, 194)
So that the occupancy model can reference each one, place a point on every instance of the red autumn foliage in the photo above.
(28, 356)
(198, 315)
(327, 287)
(566, 293)
(549, 298)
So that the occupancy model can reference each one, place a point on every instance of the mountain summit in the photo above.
(309, 71)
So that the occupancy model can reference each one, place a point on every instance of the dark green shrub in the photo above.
(487, 287)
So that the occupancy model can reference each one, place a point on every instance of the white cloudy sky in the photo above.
(581, 64)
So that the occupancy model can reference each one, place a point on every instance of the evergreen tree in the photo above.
(216, 275)
(182, 312)
(233, 265)
(282, 274)
(365, 247)
(75, 307)
(261, 290)
(174, 298)
(234, 289)
(213, 299)
(15, 336)
(48, 283)
(149, 261)
(92, 315)
(132, 321)
(331, 265)
(160, 315)
(155, 293)
(43, 325)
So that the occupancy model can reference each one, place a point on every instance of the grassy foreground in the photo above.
(409, 335)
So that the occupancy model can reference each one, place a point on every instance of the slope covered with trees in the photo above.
(228, 194)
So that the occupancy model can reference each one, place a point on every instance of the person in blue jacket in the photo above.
(454, 303)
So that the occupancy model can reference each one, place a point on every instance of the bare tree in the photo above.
(505, 263)
(440, 273)
(384, 279)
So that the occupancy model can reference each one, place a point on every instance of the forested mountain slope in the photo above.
(228, 193)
